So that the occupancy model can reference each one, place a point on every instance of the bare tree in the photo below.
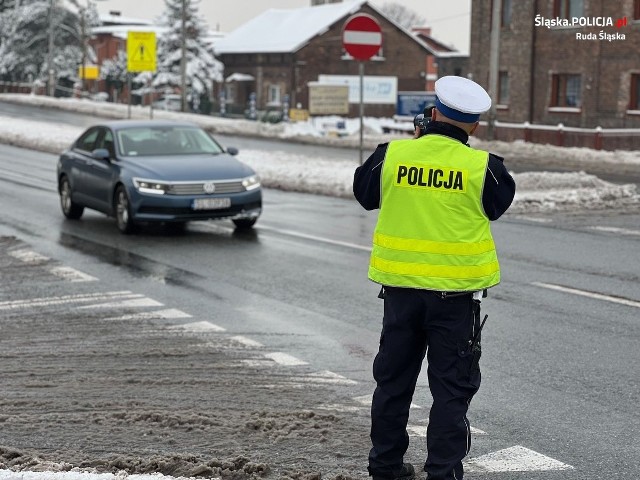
(403, 16)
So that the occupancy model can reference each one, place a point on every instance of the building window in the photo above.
(503, 88)
(230, 92)
(634, 104)
(568, 8)
(506, 13)
(566, 91)
(274, 94)
(636, 10)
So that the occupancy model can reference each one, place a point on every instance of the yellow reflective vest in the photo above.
(432, 232)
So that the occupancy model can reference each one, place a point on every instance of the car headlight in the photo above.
(251, 183)
(150, 186)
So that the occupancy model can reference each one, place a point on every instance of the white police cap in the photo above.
(461, 99)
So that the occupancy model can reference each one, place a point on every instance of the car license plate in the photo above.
(211, 203)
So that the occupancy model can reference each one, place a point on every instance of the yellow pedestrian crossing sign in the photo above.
(141, 52)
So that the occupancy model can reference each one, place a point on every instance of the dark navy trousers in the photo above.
(417, 322)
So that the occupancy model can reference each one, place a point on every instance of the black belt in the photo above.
(444, 295)
(457, 294)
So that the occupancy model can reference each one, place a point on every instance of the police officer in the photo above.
(434, 255)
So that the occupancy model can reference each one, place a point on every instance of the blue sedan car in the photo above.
(156, 171)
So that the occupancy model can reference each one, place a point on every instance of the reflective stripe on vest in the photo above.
(432, 232)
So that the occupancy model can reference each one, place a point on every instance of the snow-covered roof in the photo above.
(121, 31)
(239, 77)
(279, 31)
(109, 19)
(285, 31)
(451, 54)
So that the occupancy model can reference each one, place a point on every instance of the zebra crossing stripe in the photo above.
(71, 274)
(198, 327)
(285, 359)
(29, 256)
(65, 299)
(132, 302)
(421, 430)
(168, 313)
(514, 459)
(247, 342)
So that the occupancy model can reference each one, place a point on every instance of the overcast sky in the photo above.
(449, 19)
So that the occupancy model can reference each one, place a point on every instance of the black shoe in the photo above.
(406, 472)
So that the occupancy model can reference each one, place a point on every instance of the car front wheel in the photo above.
(70, 209)
(123, 211)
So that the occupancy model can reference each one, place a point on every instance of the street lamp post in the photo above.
(183, 57)
(83, 36)
(51, 83)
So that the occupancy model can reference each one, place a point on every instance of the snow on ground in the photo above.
(536, 191)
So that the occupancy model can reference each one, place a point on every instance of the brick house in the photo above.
(578, 76)
(279, 52)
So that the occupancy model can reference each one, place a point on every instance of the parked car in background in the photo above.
(156, 171)
(171, 102)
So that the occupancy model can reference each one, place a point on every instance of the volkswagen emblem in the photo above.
(209, 187)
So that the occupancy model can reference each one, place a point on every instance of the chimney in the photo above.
(425, 31)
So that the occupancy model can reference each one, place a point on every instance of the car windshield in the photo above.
(147, 141)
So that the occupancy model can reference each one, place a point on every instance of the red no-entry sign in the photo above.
(362, 36)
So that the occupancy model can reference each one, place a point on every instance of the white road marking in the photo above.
(421, 430)
(24, 475)
(257, 363)
(534, 219)
(514, 459)
(247, 342)
(285, 359)
(622, 231)
(71, 274)
(29, 256)
(291, 233)
(29, 180)
(65, 299)
(368, 399)
(584, 293)
(336, 407)
(326, 376)
(134, 302)
(198, 327)
(169, 313)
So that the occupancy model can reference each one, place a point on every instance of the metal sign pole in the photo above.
(129, 87)
(361, 68)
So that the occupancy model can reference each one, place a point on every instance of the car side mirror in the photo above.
(101, 154)
(232, 150)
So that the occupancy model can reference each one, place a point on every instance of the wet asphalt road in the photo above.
(559, 369)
